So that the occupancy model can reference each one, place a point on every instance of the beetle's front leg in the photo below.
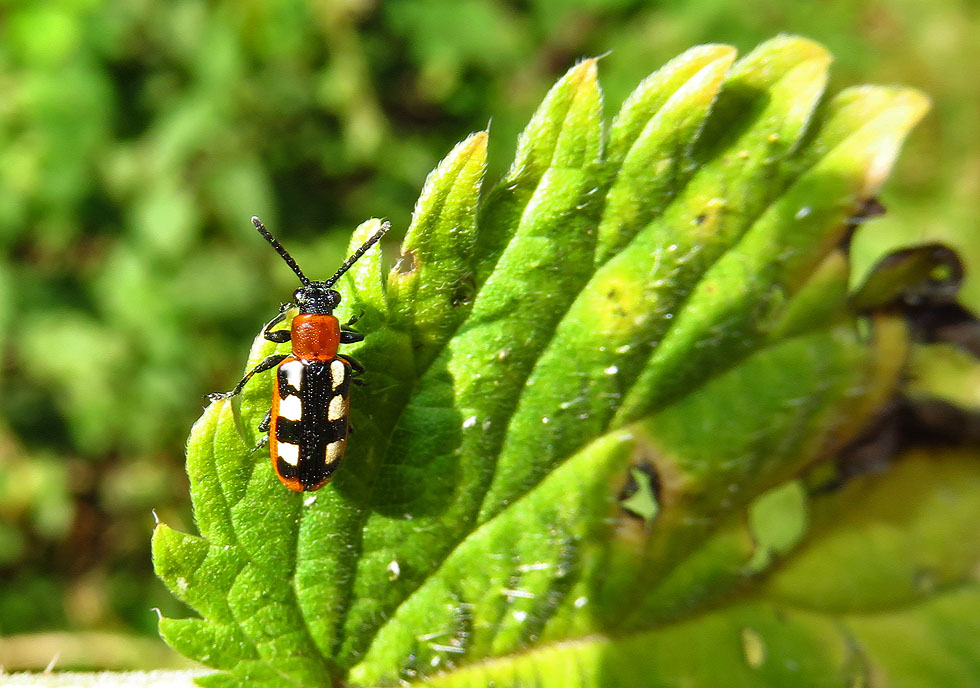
(277, 336)
(348, 335)
(266, 364)
(353, 319)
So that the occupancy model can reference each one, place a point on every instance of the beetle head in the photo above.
(316, 297)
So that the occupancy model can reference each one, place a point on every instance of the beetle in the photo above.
(308, 422)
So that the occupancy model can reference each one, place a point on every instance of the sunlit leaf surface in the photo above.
(595, 392)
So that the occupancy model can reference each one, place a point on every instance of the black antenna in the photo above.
(280, 250)
(385, 226)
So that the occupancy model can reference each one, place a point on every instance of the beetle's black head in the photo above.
(316, 297)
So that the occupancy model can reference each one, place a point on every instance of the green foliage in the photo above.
(136, 138)
(594, 397)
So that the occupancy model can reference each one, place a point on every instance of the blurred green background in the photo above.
(137, 137)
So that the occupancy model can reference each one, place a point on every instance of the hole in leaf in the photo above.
(640, 496)
(406, 263)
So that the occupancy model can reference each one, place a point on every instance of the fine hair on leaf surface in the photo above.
(594, 391)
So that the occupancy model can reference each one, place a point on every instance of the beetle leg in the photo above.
(277, 336)
(353, 319)
(267, 364)
(349, 335)
(262, 443)
(355, 366)
(264, 426)
(356, 369)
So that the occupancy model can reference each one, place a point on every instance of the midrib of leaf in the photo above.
(518, 168)
(738, 473)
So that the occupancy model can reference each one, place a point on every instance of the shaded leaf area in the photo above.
(578, 384)
(882, 593)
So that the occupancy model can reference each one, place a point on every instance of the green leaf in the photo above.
(651, 141)
(226, 646)
(643, 500)
(593, 399)
(433, 282)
